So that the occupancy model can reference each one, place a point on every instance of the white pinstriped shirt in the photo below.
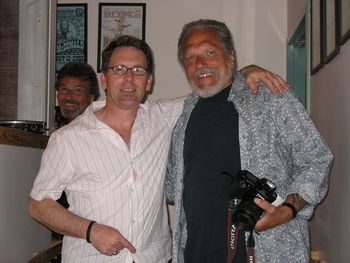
(106, 182)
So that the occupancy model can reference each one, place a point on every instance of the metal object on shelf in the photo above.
(38, 127)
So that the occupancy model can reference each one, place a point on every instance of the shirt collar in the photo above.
(90, 122)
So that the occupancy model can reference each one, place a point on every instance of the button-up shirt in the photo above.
(278, 141)
(112, 184)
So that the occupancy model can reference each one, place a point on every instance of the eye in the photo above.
(210, 52)
(138, 70)
(62, 89)
(119, 69)
(79, 90)
(189, 58)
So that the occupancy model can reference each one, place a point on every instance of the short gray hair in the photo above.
(220, 28)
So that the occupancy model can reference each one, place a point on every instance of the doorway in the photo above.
(296, 62)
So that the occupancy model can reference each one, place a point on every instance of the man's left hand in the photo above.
(273, 215)
(254, 74)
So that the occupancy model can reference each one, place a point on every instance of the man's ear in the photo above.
(233, 59)
(103, 81)
(149, 82)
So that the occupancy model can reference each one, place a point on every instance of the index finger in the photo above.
(263, 204)
(281, 84)
(275, 82)
(126, 244)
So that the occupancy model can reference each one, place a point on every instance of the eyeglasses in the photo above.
(122, 70)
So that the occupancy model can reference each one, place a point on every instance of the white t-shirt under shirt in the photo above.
(106, 182)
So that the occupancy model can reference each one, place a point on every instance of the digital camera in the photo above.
(245, 212)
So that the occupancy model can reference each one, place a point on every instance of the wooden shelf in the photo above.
(17, 137)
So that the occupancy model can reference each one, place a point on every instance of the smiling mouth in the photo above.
(204, 74)
(128, 91)
(70, 105)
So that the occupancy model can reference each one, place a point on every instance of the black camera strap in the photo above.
(251, 248)
(232, 238)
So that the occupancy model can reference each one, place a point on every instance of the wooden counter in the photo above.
(17, 137)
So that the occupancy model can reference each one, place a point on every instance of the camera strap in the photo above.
(251, 248)
(232, 234)
(232, 238)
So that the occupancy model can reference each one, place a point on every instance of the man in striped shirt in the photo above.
(111, 163)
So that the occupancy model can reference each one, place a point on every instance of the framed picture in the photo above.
(344, 14)
(316, 35)
(71, 34)
(330, 32)
(119, 19)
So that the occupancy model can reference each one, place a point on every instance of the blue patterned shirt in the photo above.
(278, 141)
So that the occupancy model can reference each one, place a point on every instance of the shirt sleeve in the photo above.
(171, 109)
(311, 158)
(55, 170)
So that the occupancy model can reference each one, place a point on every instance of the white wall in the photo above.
(20, 235)
(296, 11)
(329, 96)
(259, 29)
(330, 107)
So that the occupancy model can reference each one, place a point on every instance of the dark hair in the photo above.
(128, 41)
(80, 70)
(220, 28)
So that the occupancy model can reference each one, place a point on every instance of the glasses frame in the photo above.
(132, 70)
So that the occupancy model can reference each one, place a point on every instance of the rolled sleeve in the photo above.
(55, 171)
(310, 156)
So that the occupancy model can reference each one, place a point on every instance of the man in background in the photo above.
(76, 86)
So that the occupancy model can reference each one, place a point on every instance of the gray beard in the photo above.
(70, 115)
(210, 91)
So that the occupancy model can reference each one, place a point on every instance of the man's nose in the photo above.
(69, 94)
(201, 62)
(129, 74)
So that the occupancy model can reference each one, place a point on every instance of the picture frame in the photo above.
(330, 30)
(71, 34)
(316, 35)
(116, 19)
(344, 23)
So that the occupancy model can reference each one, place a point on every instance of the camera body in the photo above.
(245, 212)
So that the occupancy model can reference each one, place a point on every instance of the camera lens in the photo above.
(246, 215)
(244, 222)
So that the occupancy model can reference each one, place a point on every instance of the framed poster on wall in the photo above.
(344, 13)
(330, 32)
(119, 19)
(71, 34)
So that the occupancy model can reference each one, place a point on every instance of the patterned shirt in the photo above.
(278, 141)
(106, 182)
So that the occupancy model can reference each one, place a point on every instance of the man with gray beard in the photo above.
(224, 129)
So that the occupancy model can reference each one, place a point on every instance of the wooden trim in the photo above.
(47, 255)
(16, 137)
